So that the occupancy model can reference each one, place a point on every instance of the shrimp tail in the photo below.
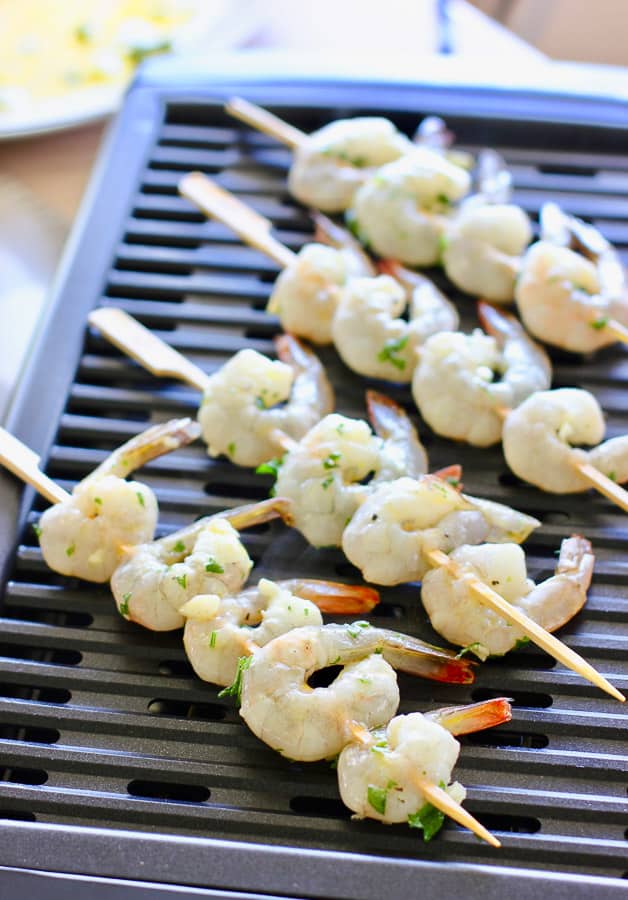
(303, 361)
(452, 475)
(328, 232)
(407, 278)
(333, 597)
(241, 517)
(411, 655)
(150, 444)
(474, 716)
(391, 422)
(499, 324)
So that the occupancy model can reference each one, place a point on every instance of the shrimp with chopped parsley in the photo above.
(87, 535)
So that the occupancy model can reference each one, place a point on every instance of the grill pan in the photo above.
(115, 762)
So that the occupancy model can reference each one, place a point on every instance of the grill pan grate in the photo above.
(104, 725)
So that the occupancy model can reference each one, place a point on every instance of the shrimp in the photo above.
(460, 618)
(250, 397)
(401, 521)
(331, 163)
(564, 300)
(219, 631)
(307, 723)
(156, 579)
(305, 295)
(403, 209)
(86, 535)
(369, 333)
(431, 310)
(323, 474)
(379, 775)
(454, 384)
(482, 249)
(542, 439)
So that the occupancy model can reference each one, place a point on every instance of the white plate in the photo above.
(219, 25)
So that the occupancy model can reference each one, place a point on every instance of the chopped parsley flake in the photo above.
(470, 648)
(140, 498)
(259, 402)
(353, 630)
(37, 529)
(83, 33)
(235, 689)
(377, 798)
(179, 547)
(231, 448)
(600, 323)
(212, 639)
(137, 52)
(612, 476)
(124, 606)
(70, 551)
(271, 467)
(364, 680)
(428, 819)
(388, 351)
(329, 480)
(521, 642)
(182, 580)
(98, 500)
(331, 462)
(212, 565)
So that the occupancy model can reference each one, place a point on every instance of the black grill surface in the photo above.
(116, 761)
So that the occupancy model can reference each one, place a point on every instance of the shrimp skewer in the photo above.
(305, 294)
(553, 421)
(239, 410)
(86, 533)
(390, 773)
(330, 164)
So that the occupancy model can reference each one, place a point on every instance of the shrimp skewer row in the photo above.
(86, 533)
(220, 631)
(391, 774)
(305, 294)
(553, 421)
(403, 529)
(330, 164)
(239, 410)
(309, 724)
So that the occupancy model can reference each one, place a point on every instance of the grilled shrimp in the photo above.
(403, 210)
(482, 249)
(251, 397)
(305, 295)
(220, 630)
(370, 334)
(388, 536)
(379, 774)
(564, 299)
(455, 386)
(322, 474)
(307, 723)
(331, 163)
(156, 579)
(542, 440)
(86, 536)
(456, 614)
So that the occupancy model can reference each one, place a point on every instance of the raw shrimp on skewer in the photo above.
(403, 210)
(463, 381)
(388, 536)
(390, 774)
(156, 579)
(456, 614)
(572, 291)
(370, 333)
(250, 397)
(86, 533)
(332, 162)
(307, 724)
(542, 441)
(322, 473)
(220, 630)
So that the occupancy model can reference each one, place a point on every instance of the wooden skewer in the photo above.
(264, 121)
(596, 479)
(535, 632)
(144, 347)
(253, 228)
(436, 796)
(24, 463)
